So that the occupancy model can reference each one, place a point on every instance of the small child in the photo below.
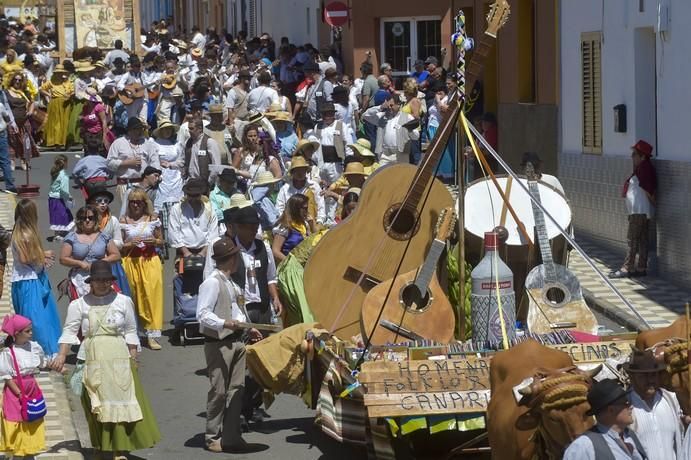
(59, 198)
(19, 437)
(91, 171)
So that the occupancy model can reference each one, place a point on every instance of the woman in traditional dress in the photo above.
(82, 81)
(250, 160)
(83, 247)
(109, 225)
(141, 230)
(93, 122)
(9, 66)
(58, 92)
(32, 295)
(172, 161)
(294, 226)
(117, 410)
(22, 109)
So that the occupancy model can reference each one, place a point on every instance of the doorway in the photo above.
(404, 40)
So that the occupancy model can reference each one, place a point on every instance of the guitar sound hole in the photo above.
(412, 298)
(401, 225)
(555, 295)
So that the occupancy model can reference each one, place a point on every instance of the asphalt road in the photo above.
(174, 379)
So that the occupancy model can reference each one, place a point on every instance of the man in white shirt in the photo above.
(656, 411)
(395, 130)
(116, 53)
(198, 39)
(300, 183)
(219, 313)
(261, 97)
(202, 154)
(192, 223)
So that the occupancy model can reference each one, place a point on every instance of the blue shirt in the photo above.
(420, 76)
(289, 140)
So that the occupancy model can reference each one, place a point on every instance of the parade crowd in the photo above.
(230, 155)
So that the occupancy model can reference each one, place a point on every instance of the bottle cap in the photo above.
(491, 241)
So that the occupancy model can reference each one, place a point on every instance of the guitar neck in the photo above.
(541, 230)
(424, 276)
(476, 64)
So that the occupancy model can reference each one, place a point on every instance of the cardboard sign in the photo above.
(425, 386)
(595, 352)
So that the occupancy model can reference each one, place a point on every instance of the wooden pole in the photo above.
(460, 181)
(136, 27)
(60, 25)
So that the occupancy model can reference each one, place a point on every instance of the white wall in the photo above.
(289, 18)
(619, 86)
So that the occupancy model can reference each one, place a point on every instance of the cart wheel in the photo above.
(181, 337)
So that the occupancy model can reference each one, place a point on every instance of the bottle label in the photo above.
(493, 285)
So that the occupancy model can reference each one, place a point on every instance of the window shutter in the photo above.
(253, 18)
(591, 84)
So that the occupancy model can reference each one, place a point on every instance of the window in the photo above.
(591, 85)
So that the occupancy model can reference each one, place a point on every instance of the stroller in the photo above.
(185, 292)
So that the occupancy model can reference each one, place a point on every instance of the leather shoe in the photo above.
(153, 344)
(619, 274)
(214, 446)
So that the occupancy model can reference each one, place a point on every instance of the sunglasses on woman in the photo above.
(89, 217)
(102, 201)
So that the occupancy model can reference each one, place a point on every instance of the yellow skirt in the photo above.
(56, 126)
(145, 275)
(22, 438)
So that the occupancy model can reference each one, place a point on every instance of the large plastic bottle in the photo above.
(483, 299)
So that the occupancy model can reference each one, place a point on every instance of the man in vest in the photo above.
(656, 412)
(306, 110)
(221, 133)
(219, 310)
(202, 154)
(300, 182)
(334, 137)
(610, 438)
(236, 100)
(256, 276)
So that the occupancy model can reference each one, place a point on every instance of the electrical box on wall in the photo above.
(620, 118)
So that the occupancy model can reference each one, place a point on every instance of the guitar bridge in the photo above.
(368, 282)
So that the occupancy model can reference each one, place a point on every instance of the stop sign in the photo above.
(336, 14)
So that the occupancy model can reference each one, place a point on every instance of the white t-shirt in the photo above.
(261, 98)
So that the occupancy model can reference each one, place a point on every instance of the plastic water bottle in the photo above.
(483, 298)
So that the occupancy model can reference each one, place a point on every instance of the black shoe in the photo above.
(245, 447)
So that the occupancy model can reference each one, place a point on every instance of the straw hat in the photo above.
(302, 143)
(264, 178)
(196, 52)
(363, 146)
(275, 107)
(280, 116)
(59, 68)
(354, 168)
(100, 64)
(163, 125)
(297, 163)
(215, 108)
(83, 65)
(238, 200)
(355, 190)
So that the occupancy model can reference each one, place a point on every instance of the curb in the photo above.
(613, 312)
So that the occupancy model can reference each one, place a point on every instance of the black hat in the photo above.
(100, 270)
(604, 393)
(432, 60)
(93, 192)
(643, 362)
(228, 174)
(151, 170)
(195, 187)
(419, 62)
(531, 157)
(340, 90)
(224, 248)
(246, 215)
(310, 67)
(229, 215)
(135, 123)
(327, 107)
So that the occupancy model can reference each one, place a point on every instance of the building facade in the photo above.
(624, 68)
(521, 74)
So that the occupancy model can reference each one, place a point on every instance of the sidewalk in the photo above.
(61, 437)
(658, 301)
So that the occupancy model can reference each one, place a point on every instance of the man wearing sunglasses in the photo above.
(611, 437)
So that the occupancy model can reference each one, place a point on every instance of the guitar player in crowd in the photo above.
(132, 91)
(639, 192)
